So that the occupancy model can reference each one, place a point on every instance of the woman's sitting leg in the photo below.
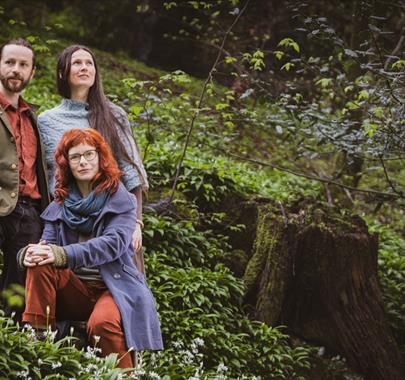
(55, 293)
(105, 322)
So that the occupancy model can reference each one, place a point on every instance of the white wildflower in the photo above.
(188, 356)
(31, 331)
(199, 341)
(56, 365)
(23, 374)
(154, 375)
(90, 367)
(50, 334)
(222, 367)
(137, 374)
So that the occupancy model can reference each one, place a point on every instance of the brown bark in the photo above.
(316, 272)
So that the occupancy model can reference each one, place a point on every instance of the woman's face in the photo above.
(82, 70)
(84, 163)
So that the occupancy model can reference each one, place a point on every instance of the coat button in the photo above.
(13, 166)
(117, 276)
(12, 139)
(13, 195)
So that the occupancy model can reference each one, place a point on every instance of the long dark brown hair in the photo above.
(100, 116)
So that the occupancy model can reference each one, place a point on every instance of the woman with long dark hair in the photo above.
(82, 269)
(85, 105)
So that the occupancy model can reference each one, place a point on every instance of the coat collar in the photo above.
(119, 202)
(31, 109)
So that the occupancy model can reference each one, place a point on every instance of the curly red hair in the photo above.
(109, 174)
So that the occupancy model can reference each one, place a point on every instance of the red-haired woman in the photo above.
(83, 267)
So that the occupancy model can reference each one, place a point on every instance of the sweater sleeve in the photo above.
(20, 257)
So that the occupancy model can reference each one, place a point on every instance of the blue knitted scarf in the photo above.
(79, 212)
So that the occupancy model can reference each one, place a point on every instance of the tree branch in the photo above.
(395, 51)
(386, 195)
(394, 189)
(196, 112)
(382, 64)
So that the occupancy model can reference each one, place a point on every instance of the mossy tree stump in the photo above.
(315, 271)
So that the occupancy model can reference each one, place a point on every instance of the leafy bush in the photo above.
(391, 270)
(24, 356)
(200, 299)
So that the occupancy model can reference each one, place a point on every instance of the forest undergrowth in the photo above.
(207, 330)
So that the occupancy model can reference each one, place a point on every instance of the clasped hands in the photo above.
(38, 254)
(42, 254)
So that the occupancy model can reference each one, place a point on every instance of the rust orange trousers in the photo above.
(58, 294)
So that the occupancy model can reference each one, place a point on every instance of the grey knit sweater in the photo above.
(73, 114)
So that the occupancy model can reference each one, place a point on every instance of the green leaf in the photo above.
(363, 95)
(289, 42)
(229, 59)
(378, 111)
(398, 64)
(221, 106)
(169, 5)
(352, 106)
(324, 82)
(279, 54)
(287, 66)
(370, 129)
(136, 110)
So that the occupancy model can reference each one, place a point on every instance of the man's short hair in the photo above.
(20, 42)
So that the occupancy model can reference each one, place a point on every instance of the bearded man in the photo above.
(23, 181)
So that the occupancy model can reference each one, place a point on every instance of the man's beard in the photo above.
(14, 87)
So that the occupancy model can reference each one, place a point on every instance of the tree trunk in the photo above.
(316, 272)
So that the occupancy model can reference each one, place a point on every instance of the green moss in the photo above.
(266, 239)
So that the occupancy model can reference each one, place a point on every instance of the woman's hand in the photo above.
(38, 254)
(137, 238)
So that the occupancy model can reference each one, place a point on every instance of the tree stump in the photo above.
(315, 271)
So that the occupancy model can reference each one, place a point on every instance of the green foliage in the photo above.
(209, 181)
(24, 356)
(289, 42)
(391, 269)
(200, 299)
(354, 102)
(14, 295)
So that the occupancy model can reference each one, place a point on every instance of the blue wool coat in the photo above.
(111, 250)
